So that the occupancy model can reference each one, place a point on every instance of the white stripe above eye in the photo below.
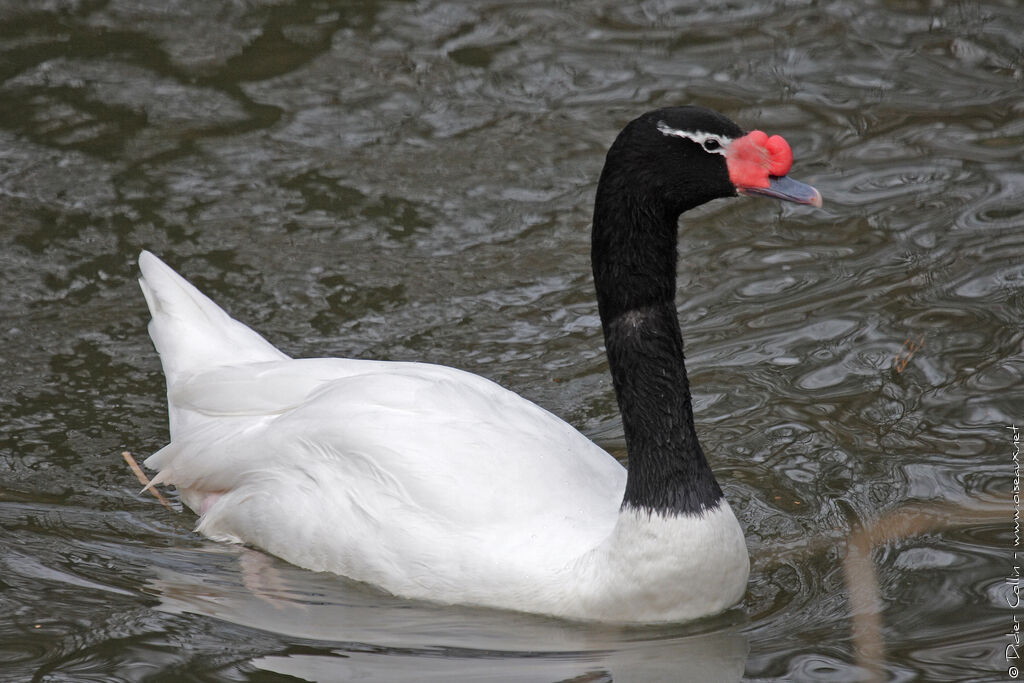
(700, 137)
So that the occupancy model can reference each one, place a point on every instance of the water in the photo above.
(413, 181)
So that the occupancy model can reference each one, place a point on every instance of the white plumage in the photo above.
(427, 481)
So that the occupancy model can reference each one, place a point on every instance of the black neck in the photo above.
(634, 262)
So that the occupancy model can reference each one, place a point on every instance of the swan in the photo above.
(433, 483)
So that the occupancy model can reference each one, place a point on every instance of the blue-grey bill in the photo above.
(785, 189)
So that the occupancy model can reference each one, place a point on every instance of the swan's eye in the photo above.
(709, 142)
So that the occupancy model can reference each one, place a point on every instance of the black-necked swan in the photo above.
(434, 483)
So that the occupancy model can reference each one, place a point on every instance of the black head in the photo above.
(654, 166)
(673, 159)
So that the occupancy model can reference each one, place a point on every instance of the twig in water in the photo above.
(862, 579)
(907, 351)
(143, 479)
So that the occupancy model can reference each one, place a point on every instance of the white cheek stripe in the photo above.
(700, 137)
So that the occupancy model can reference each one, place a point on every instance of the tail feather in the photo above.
(190, 332)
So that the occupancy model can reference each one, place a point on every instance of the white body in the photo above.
(427, 481)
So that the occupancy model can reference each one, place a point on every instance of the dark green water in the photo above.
(413, 181)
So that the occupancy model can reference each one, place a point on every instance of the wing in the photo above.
(384, 463)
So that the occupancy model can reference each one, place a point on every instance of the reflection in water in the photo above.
(413, 182)
(352, 631)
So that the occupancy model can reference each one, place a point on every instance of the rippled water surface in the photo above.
(413, 181)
